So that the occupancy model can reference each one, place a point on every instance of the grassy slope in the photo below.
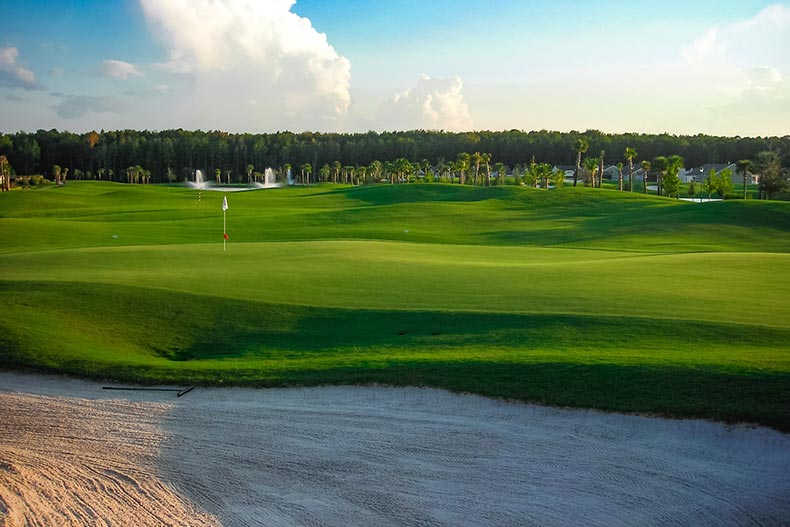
(570, 297)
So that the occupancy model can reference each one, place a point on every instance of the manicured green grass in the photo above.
(574, 297)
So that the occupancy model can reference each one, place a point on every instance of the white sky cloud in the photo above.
(761, 40)
(13, 74)
(119, 69)
(76, 106)
(238, 50)
(433, 104)
(176, 64)
(746, 63)
(255, 66)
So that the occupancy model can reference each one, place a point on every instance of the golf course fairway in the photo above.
(571, 297)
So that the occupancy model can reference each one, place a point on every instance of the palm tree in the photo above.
(348, 173)
(659, 164)
(250, 170)
(324, 172)
(336, 166)
(600, 169)
(487, 162)
(362, 173)
(375, 169)
(462, 166)
(500, 173)
(581, 147)
(5, 174)
(308, 168)
(620, 173)
(591, 167)
(476, 159)
(218, 175)
(743, 167)
(630, 155)
(442, 169)
(404, 168)
(544, 173)
(646, 172)
(64, 175)
(426, 168)
(672, 181)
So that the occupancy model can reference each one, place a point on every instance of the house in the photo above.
(568, 169)
(698, 174)
(639, 174)
(612, 173)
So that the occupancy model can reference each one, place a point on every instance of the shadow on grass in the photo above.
(668, 367)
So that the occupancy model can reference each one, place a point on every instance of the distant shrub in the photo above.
(38, 181)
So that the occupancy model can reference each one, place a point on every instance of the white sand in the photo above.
(72, 454)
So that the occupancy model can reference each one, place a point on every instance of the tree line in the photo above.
(174, 155)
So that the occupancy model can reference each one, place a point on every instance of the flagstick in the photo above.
(224, 232)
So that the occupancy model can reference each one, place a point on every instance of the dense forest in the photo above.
(173, 155)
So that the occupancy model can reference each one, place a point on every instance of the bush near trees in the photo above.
(718, 182)
(692, 190)
(773, 178)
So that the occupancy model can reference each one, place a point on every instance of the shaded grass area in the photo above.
(728, 372)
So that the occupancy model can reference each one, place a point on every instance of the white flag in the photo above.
(225, 203)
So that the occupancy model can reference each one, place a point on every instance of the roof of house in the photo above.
(705, 169)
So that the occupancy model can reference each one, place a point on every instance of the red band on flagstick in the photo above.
(225, 235)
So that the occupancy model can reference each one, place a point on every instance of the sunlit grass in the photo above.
(576, 297)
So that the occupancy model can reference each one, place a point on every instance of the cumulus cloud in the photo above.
(76, 106)
(238, 50)
(764, 37)
(13, 74)
(176, 64)
(433, 104)
(119, 69)
(747, 66)
(763, 78)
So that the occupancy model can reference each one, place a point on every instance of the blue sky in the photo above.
(719, 67)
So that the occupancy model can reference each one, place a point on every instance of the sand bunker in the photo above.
(71, 454)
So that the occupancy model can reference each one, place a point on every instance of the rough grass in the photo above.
(573, 297)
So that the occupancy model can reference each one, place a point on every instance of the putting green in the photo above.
(714, 287)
